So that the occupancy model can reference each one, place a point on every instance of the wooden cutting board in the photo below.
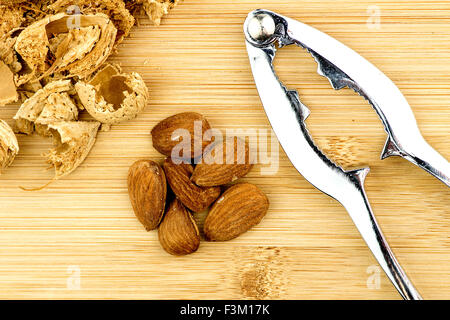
(79, 238)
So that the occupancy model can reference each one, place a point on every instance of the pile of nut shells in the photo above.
(197, 174)
(53, 59)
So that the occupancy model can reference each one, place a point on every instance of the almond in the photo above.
(167, 134)
(178, 232)
(240, 208)
(223, 162)
(147, 188)
(193, 197)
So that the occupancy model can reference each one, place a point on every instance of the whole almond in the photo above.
(192, 196)
(178, 232)
(167, 134)
(223, 162)
(240, 208)
(147, 188)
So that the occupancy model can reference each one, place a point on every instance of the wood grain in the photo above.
(307, 246)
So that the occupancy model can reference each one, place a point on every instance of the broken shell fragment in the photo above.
(31, 45)
(155, 9)
(111, 96)
(12, 17)
(51, 111)
(7, 53)
(84, 44)
(49, 104)
(9, 146)
(72, 143)
(89, 61)
(75, 45)
(8, 92)
(58, 107)
(28, 89)
(115, 9)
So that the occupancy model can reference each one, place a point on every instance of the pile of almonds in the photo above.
(196, 186)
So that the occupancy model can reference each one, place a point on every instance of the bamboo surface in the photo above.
(306, 247)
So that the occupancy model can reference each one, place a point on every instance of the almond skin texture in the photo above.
(165, 138)
(195, 198)
(223, 162)
(178, 232)
(239, 208)
(147, 188)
